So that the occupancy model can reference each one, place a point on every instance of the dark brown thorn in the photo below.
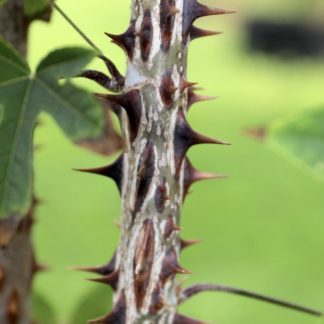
(194, 290)
(161, 196)
(117, 315)
(99, 77)
(185, 137)
(180, 319)
(187, 243)
(185, 84)
(196, 32)
(170, 266)
(193, 10)
(113, 171)
(126, 40)
(170, 227)
(111, 280)
(157, 301)
(131, 102)
(113, 71)
(194, 98)
(167, 90)
(37, 267)
(104, 270)
(192, 175)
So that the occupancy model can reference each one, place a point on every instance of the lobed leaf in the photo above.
(23, 96)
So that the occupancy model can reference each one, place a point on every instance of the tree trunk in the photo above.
(153, 174)
(13, 24)
(16, 251)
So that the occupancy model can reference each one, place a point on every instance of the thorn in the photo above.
(167, 90)
(117, 315)
(104, 270)
(196, 32)
(194, 98)
(113, 171)
(185, 84)
(170, 266)
(161, 197)
(170, 227)
(185, 137)
(111, 280)
(192, 175)
(131, 102)
(193, 10)
(180, 319)
(187, 243)
(126, 40)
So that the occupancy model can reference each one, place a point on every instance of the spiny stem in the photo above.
(194, 290)
(79, 31)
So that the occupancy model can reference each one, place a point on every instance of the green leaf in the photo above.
(302, 139)
(33, 7)
(95, 303)
(22, 97)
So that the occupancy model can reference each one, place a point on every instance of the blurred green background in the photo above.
(262, 228)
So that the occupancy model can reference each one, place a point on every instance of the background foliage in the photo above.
(262, 228)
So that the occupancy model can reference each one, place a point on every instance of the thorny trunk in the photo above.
(153, 174)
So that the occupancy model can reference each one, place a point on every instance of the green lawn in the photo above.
(261, 228)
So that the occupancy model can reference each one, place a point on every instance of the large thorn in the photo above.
(196, 32)
(117, 315)
(170, 227)
(132, 103)
(194, 98)
(110, 280)
(113, 171)
(167, 90)
(187, 243)
(104, 270)
(184, 84)
(185, 137)
(126, 40)
(180, 319)
(171, 267)
(193, 10)
(192, 175)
